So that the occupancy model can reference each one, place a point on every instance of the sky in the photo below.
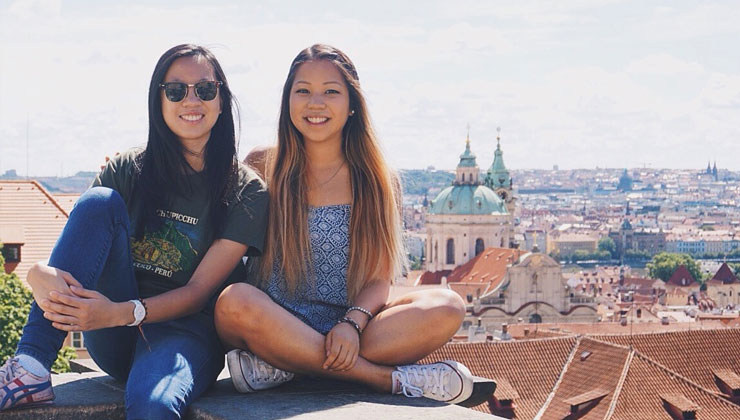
(573, 83)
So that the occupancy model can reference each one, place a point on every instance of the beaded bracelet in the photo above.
(351, 322)
(361, 309)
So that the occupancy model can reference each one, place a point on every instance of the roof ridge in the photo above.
(698, 328)
(620, 384)
(686, 380)
(41, 188)
(513, 342)
(590, 337)
(51, 197)
(551, 396)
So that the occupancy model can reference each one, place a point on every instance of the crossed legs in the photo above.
(405, 330)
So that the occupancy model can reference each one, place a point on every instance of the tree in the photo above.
(735, 268)
(15, 304)
(607, 244)
(664, 264)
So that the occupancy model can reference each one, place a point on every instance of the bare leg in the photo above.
(247, 318)
(412, 326)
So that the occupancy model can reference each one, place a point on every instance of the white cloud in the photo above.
(577, 83)
(27, 9)
(664, 64)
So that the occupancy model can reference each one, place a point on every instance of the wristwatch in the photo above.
(139, 313)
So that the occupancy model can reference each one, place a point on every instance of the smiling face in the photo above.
(319, 101)
(192, 118)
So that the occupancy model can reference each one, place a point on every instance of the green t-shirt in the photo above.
(166, 259)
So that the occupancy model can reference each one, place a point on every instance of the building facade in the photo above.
(467, 217)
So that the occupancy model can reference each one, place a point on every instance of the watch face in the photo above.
(139, 311)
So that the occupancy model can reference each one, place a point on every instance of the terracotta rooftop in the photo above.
(67, 200)
(592, 374)
(647, 385)
(692, 354)
(613, 328)
(603, 377)
(432, 277)
(681, 277)
(28, 206)
(725, 275)
(487, 267)
(530, 367)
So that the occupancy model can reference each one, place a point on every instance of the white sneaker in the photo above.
(249, 373)
(447, 381)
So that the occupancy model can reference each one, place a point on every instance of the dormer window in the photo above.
(680, 407)
(584, 402)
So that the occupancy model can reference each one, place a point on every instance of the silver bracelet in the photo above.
(361, 309)
(351, 322)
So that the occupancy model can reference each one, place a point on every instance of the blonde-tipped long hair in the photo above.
(376, 250)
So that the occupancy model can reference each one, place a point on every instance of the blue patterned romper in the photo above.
(321, 301)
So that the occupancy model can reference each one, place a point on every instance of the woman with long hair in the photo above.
(145, 252)
(319, 304)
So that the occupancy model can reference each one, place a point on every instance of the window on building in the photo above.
(435, 252)
(479, 246)
(11, 253)
(450, 251)
(78, 341)
(535, 319)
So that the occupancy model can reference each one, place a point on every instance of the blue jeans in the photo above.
(186, 355)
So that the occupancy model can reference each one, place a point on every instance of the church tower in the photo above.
(498, 178)
(465, 218)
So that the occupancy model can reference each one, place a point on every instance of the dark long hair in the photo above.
(162, 166)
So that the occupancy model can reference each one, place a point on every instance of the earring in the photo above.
(352, 112)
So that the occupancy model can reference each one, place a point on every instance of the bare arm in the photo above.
(257, 159)
(89, 310)
(217, 264)
(373, 297)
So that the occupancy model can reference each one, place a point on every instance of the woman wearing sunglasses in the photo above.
(146, 251)
(334, 244)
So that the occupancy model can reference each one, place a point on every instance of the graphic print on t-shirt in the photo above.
(169, 250)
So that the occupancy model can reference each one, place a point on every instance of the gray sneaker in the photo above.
(20, 388)
(447, 381)
(249, 373)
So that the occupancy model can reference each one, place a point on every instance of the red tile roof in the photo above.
(725, 275)
(595, 370)
(432, 277)
(546, 378)
(693, 354)
(67, 200)
(530, 367)
(28, 206)
(681, 277)
(488, 267)
(648, 383)
(613, 328)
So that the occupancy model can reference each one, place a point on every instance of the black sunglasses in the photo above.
(177, 91)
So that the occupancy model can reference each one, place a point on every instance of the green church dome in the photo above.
(467, 199)
(497, 175)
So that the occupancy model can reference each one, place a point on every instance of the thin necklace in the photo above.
(331, 177)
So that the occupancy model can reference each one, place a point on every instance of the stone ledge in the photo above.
(94, 395)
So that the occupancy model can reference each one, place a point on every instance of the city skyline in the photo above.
(578, 84)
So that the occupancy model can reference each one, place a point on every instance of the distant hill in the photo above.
(418, 181)
(76, 183)
(413, 181)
